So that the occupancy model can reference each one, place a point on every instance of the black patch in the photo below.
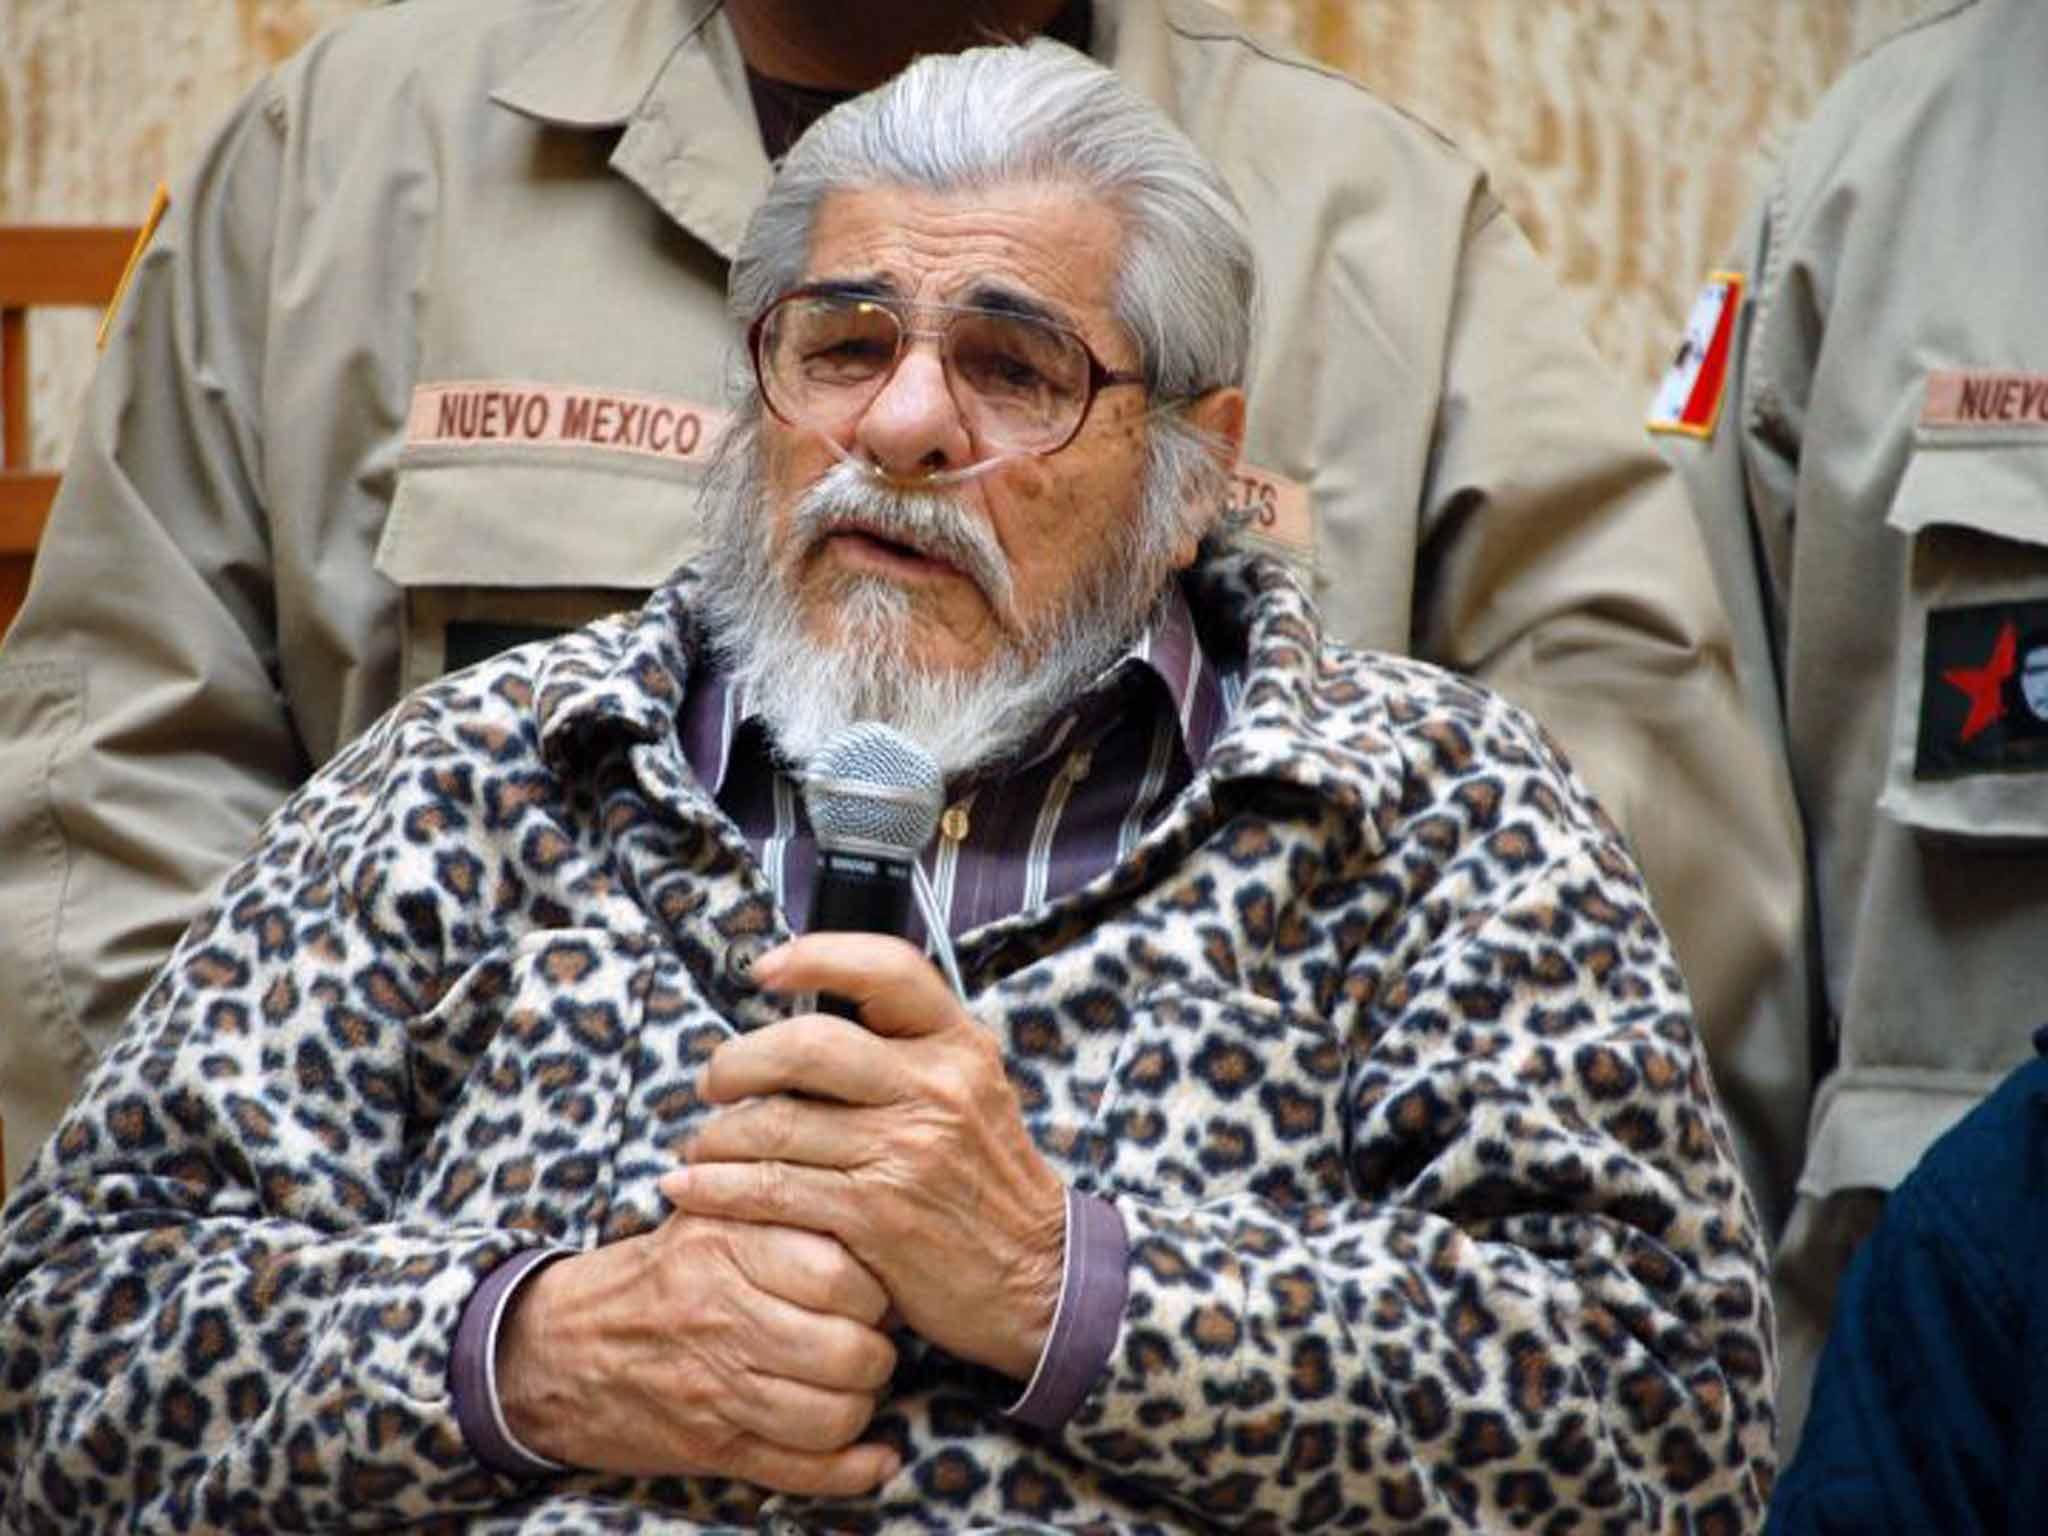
(1974, 715)
(469, 642)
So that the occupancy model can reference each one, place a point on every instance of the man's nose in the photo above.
(914, 426)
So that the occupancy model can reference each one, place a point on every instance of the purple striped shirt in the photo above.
(1040, 824)
(1043, 822)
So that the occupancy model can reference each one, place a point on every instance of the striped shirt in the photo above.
(1042, 822)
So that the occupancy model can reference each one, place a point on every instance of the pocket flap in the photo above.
(1995, 488)
(526, 524)
(1870, 1127)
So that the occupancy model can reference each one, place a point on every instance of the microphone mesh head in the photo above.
(873, 784)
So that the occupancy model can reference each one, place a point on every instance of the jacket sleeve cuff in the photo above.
(473, 1368)
(1093, 1284)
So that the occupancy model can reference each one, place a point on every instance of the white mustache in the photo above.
(930, 521)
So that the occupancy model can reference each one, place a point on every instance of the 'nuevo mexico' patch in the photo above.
(1984, 696)
(1984, 397)
(479, 415)
(1689, 399)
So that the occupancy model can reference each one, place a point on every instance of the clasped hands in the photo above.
(862, 1167)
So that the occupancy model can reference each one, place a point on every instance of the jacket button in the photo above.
(740, 956)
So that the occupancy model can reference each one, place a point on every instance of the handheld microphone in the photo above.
(874, 798)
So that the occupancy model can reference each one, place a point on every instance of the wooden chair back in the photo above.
(40, 265)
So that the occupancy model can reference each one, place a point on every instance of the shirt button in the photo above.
(953, 825)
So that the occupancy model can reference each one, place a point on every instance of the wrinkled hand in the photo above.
(901, 1136)
(703, 1347)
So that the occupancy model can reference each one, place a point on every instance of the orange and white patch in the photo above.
(1689, 399)
(493, 414)
(159, 205)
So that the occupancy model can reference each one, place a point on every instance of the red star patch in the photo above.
(1986, 684)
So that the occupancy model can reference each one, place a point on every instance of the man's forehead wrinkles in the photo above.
(1034, 242)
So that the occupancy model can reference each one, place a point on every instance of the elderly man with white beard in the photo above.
(1319, 1135)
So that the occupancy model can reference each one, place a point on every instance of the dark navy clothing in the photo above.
(1930, 1412)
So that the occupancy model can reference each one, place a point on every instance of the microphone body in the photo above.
(856, 892)
(873, 797)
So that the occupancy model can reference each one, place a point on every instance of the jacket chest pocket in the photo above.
(1215, 1093)
(493, 552)
(1968, 754)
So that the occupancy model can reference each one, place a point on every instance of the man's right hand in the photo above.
(705, 1347)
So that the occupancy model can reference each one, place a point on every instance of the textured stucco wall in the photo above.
(99, 101)
(1627, 135)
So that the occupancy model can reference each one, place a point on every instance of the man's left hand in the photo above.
(901, 1136)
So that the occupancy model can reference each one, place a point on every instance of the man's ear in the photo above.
(1219, 416)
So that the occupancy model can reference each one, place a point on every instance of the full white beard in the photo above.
(807, 691)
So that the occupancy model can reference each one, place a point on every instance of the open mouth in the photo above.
(866, 546)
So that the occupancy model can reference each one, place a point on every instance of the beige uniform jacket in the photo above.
(1876, 492)
(428, 354)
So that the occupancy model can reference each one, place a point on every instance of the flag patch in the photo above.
(158, 206)
(1689, 399)
(1984, 694)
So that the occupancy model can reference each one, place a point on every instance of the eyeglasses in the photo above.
(1021, 384)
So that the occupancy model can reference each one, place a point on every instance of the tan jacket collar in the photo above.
(670, 73)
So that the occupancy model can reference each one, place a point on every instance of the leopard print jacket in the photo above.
(1373, 1041)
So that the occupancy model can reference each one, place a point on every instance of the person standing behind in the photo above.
(424, 361)
(1930, 1407)
(1867, 447)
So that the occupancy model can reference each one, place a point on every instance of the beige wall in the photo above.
(1627, 135)
(99, 101)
